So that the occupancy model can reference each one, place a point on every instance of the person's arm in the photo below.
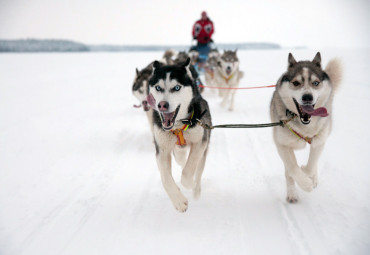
(212, 30)
(196, 29)
(193, 32)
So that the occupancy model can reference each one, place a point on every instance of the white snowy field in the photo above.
(78, 173)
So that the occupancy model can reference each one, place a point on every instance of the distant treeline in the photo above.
(35, 45)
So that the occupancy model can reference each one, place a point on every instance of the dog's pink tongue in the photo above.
(167, 119)
(151, 100)
(321, 111)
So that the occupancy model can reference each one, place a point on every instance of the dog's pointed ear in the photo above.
(186, 65)
(137, 72)
(187, 62)
(235, 51)
(291, 60)
(317, 60)
(156, 65)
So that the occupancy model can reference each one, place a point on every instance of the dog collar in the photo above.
(289, 112)
(228, 78)
(179, 132)
(306, 138)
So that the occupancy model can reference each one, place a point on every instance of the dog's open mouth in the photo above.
(228, 72)
(168, 118)
(308, 110)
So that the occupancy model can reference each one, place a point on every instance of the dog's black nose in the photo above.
(307, 98)
(163, 106)
(228, 68)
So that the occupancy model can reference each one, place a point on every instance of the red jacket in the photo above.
(203, 30)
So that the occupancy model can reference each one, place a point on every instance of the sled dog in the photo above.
(167, 57)
(174, 96)
(210, 67)
(194, 56)
(140, 90)
(181, 57)
(228, 75)
(304, 93)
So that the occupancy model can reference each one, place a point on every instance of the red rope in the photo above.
(259, 87)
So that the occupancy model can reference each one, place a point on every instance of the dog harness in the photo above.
(179, 133)
(306, 138)
(228, 78)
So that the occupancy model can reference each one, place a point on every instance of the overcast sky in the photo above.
(312, 23)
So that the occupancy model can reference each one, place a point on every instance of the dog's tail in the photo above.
(334, 70)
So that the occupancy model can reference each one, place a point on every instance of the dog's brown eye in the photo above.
(296, 83)
(316, 83)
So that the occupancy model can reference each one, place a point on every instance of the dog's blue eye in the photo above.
(157, 88)
(177, 87)
(316, 83)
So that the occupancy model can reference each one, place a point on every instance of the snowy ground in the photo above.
(79, 176)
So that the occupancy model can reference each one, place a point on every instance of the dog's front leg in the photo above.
(293, 173)
(226, 98)
(164, 164)
(313, 159)
(231, 108)
(195, 154)
(198, 175)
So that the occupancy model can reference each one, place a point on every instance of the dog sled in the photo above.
(202, 51)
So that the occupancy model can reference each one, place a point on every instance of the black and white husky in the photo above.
(305, 93)
(174, 96)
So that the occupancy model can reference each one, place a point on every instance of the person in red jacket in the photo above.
(202, 32)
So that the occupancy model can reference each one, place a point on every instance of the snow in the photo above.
(79, 175)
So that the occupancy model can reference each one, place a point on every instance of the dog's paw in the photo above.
(314, 181)
(303, 180)
(187, 182)
(180, 202)
(312, 173)
(231, 109)
(292, 196)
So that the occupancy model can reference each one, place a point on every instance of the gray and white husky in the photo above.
(174, 96)
(140, 86)
(228, 75)
(305, 93)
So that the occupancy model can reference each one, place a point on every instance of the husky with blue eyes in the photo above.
(177, 106)
(304, 93)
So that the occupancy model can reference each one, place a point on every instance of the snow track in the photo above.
(79, 175)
